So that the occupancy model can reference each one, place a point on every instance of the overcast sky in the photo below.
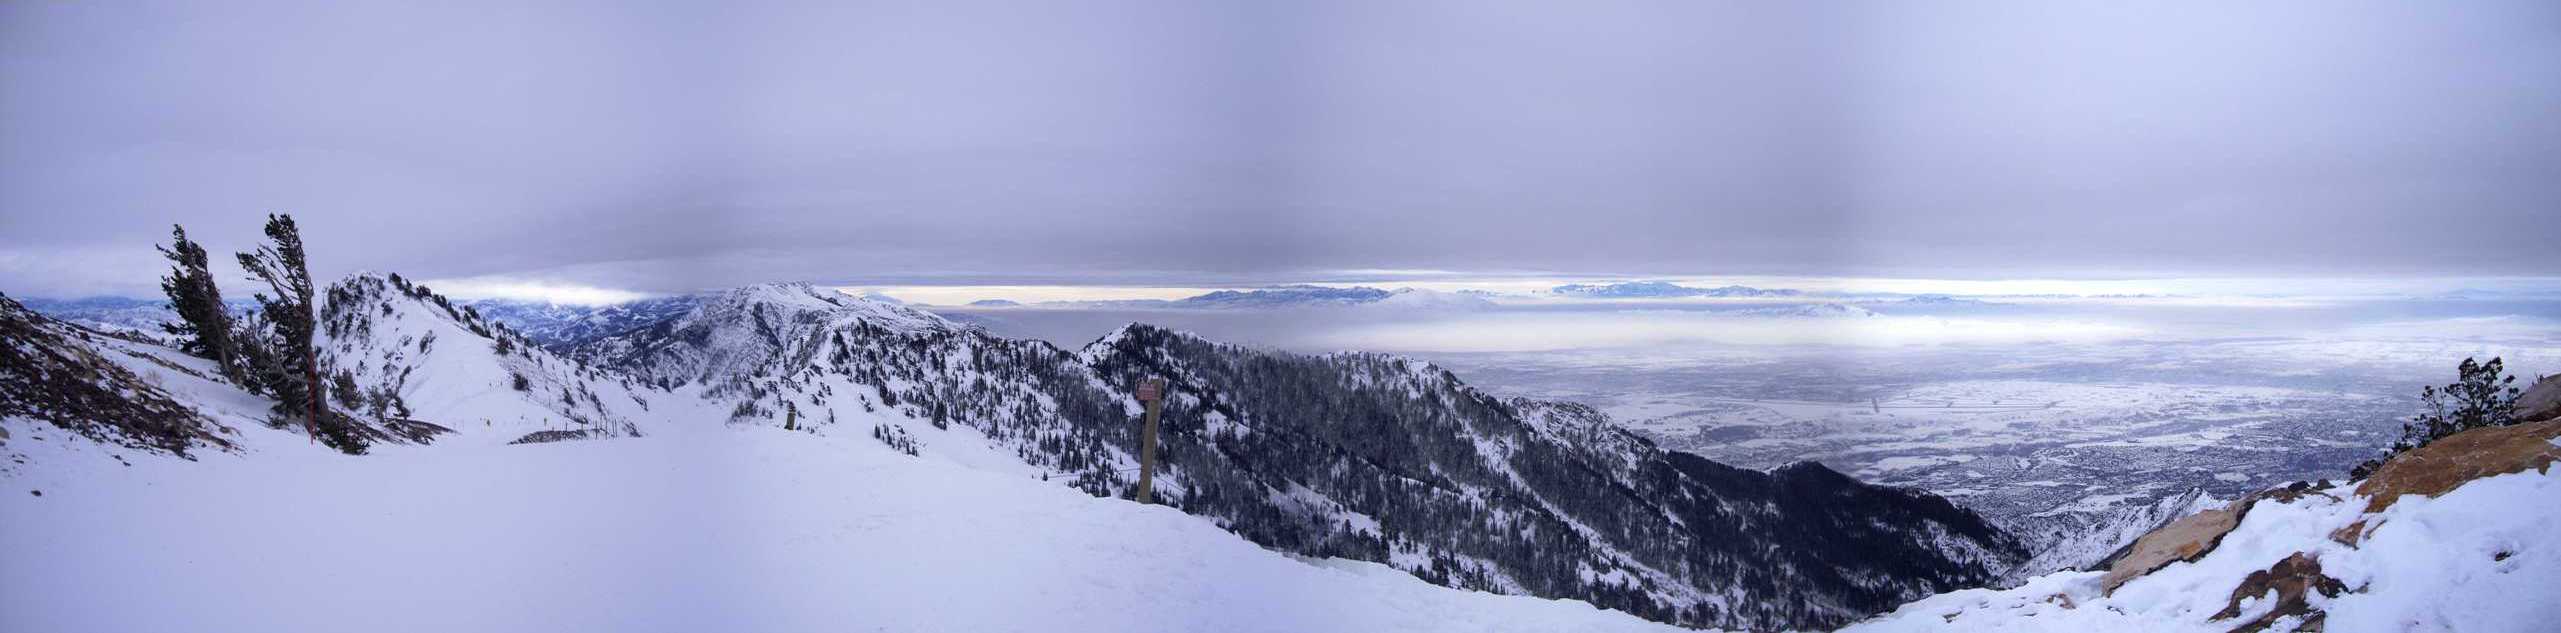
(685, 146)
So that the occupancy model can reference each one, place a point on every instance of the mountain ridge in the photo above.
(1352, 455)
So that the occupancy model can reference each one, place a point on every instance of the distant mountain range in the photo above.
(1660, 289)
(1275, 297)
(560, 326)
(123, 314)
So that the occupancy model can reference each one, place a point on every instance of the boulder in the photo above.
(2186, 539)
(2292, 579)
(2451, 461)
(2541, 401)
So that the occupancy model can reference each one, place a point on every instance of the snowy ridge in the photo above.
(2463, 534)
(62, 376)
(412, 356)
(1354, 456)
(772, 321)
(807, 357)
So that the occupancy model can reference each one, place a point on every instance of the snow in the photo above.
(2427, 565)
(696, 528)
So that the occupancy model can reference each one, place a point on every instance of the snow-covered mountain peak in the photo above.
(400, 355)
(805, 300)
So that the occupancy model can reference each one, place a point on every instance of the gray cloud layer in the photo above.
(688, 145)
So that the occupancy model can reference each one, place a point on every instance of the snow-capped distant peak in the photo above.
(836, 304)
(1811, 310)
(1418, 298)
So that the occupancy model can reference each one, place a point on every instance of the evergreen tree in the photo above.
(293, 368)
(2482, 395)
(203, 328)
(256, 357)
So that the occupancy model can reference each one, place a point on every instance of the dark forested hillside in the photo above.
(1358, 456)
(1416, 468)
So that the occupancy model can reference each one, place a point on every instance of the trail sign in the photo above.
(1151, 392)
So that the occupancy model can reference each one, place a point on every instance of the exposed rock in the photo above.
(2292, 579)
(2349, 534)
(2462, 457)
(418, 431)
(2541, 401)
(2186, 539)
(546, 437)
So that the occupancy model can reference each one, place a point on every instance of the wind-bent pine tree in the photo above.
(293, 374)
(204, 327)
(2483, 395)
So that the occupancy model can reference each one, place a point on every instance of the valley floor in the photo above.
(711, 529)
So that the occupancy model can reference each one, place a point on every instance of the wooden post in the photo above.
(1151, 392)
(311, 423)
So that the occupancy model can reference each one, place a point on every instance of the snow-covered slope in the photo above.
(741, 331)
(1353, 456)
(738, 530)
(413, 356)
(2078, 540)
(59, 376)
(2485, 557)
(2465, 536)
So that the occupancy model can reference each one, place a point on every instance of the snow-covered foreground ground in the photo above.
(2484, 557)
(691, 530)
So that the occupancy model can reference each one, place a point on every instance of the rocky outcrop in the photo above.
(2446, 537)
(2462, 457)
(2186, 539)
(2541, 401)
(2293, 580)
